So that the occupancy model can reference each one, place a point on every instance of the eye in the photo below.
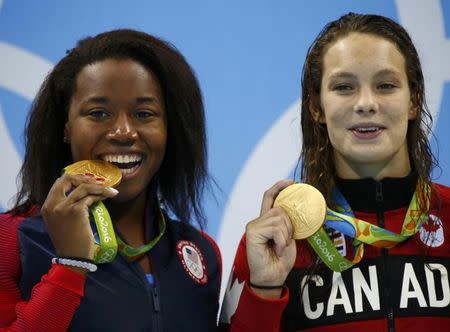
(144, 114)
(386, 86)
(342, 87)
(98, 114)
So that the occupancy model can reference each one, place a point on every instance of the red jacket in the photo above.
(405, 288)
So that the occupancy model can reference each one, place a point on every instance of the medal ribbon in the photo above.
(132, 253)
(106, 249)
(109, 243)
(362, 231)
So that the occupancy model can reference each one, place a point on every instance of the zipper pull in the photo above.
(154, 291)
(156, 304)
(378, 191)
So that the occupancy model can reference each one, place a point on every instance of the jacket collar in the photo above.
(369, 195)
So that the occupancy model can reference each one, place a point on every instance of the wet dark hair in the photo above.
(317, 160)
(183, 174)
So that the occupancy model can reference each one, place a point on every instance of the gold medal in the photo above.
(103, 172)
(305, 206)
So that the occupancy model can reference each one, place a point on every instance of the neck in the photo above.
(128, 214)
(347, 169)
(129, 219)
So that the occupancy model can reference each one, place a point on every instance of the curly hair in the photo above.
(183, 174)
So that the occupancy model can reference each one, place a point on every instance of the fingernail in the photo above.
(113, 190)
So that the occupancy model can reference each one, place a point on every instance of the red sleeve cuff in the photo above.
(255, 298)
(256, 313)
(66, 278)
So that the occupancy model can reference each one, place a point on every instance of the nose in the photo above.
(122, 131)
(366, 102)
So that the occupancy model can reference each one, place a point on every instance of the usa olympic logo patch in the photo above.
(192, 260)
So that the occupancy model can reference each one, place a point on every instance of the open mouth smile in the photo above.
(367, 132)
(127, 163)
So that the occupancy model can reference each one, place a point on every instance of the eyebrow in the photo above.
(348, 75)
(105, 100)
(386, 72)
(342, 74)
(98, 100)
(143, 100)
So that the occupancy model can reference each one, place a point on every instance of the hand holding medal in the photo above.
(307, 210)
(305, 206)
(106, 173)
(270, 249)
(110, 176)
(65, 211)
(106, 249)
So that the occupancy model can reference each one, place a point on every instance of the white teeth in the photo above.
(127, 158)
(367, 129)
(128, 170)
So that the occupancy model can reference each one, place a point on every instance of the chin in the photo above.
(127, 195)
(374, 154)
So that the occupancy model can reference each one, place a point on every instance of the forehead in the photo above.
(110, 73)
(362, 51)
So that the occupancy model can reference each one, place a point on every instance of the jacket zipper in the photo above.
(154, 298)
(384, 252)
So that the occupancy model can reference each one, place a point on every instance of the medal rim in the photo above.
(315, 216)
(113, 174)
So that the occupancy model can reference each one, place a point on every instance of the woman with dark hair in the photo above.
(381, 260)
(129, 99)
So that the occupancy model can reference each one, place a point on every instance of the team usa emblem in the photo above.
(192, 260)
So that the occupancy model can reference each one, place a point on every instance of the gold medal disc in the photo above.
(305, 206)
(104, 172)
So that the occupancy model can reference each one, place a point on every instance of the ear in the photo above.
(67, 132)
(317, 114)
(413, 109)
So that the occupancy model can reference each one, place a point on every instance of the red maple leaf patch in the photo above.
(431, 226)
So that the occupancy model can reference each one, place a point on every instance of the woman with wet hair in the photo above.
(381, 260)
(128, 99)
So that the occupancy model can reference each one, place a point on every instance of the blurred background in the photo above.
(248, 57)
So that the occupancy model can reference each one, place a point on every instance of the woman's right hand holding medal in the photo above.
(66, 214)
(271, 251)
(289, 211)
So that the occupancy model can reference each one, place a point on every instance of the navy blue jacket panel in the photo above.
(118, 296)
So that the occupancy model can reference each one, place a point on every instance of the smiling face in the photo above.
(117, 114)
(366, 105)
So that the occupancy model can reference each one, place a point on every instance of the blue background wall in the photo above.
(248, 57)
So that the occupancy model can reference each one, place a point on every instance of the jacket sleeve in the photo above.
(53, 300)
(242, 309)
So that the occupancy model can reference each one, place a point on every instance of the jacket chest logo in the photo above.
(192, 261)
(431, 232)
(418, 286)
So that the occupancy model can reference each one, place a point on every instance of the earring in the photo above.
(65, 140)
